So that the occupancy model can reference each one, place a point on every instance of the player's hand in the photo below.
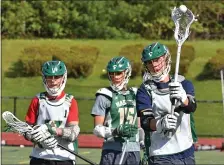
(126, 130)
(168, 122)
(40, 133)
(177, 92)
(49, 143)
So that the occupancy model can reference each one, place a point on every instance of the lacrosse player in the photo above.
(115, 116)
(54, 115)
(153, 102)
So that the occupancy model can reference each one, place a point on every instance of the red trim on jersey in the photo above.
(73, 114)
(32, 112)
(31, 115)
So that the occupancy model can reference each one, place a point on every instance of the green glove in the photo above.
(126, 130)
(52, 127)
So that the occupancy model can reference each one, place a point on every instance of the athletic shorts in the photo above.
(37, 161)
(112, 157)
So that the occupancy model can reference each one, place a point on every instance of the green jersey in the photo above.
(117, 108)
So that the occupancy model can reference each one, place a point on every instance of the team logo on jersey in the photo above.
(124, 102)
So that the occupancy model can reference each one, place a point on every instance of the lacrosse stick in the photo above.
(21, 127)
(222, 84)
(183, 18)
(125, 145)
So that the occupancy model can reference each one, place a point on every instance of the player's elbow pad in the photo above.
(145, 123)
(192, 105)
(70, 133)
(145, 117)
(102, 131)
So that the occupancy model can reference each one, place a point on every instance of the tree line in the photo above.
(118, 19)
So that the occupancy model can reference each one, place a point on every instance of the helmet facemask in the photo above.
(55, 91)
(160, 75)
(119, 86)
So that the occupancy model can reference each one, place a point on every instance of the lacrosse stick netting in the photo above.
(15, 124)
(182, 21)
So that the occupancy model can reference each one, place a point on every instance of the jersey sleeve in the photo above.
(73, 112)
(100, 106)
(188, 87)
(32, 113)
(143, 99)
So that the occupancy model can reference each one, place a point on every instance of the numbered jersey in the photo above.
(121, 109)
(57, 111)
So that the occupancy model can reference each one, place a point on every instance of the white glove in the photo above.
(49, 143)
(177, 92)
(102, 131)
(167, 122)
(40, 133)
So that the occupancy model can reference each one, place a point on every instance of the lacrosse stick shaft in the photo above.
(76, 154)
(125, 145)
(175, 80)
(123, 153)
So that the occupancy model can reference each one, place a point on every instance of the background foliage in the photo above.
(208, 116)
(106, 19)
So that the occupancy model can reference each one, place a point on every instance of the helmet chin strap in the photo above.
(118, 87)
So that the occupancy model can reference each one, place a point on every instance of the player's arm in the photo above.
(71, 131)
(144, 109)
(99, 109)
(31, 117)
(184, 91)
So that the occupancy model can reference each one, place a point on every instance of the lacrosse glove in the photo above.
(40, 133)
(168, 122)
(177, 92)
(126, 130)
(49, 143)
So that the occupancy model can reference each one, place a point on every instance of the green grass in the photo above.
(208, 116)
(16, 155)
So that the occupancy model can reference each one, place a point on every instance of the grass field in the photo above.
(16, 155)
(209, 117)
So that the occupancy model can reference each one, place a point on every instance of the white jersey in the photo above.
(57, 111)
(181, 140)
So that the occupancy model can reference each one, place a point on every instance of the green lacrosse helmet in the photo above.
(119, 64)
(154, 51)
(54, 68)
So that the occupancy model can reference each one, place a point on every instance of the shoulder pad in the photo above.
(41, 95)
(180, 78)
(134, 89)
(104, 91)
(69, 97)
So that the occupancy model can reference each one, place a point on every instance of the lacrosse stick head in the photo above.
(183, 18)
(14, 124)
